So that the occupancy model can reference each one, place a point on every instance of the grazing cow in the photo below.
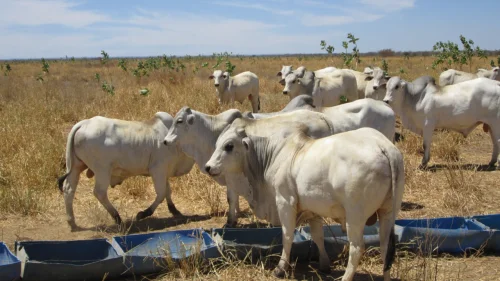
(115, 150)
(461, 107)
(238, 88)
(326, 90)
(287, 69)
(350, 177)
(196, 134)
(353, 115)
(452, 76)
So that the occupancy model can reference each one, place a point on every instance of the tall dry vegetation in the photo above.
(35, 116)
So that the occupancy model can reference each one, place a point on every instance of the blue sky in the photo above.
(58, 28)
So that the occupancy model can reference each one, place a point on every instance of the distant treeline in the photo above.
(381, 53)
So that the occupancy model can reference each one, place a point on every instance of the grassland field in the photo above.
(36, 116)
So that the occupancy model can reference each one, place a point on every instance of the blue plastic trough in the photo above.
(10, 265)
(258, 243)
(450, 235)
(335, 239)
(151, 253)
(69, 260)
(491, 224)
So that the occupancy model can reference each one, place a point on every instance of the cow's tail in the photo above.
(397, 175)
(70, 153)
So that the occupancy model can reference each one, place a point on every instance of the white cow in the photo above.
(376, 83)
(452, 76)
(326, 90)
(366, 85)
(287, 69)
(349, 177)
(115, 150)
(423, 107)
(352, 115)
(238, 88)
(196, 134)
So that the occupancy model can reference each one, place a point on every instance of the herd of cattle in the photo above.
(315, 158)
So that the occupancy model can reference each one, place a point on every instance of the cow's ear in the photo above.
(282, 82)
(299, 81)
(210, 77)
(368, 78)
(246, 143)
(403, 84)
(190, 119)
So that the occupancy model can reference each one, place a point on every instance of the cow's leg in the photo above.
(69, 189)
(355, 227)
(170, 204)
(427, 134)
(495, 138)
(319, 239)
(387, 241)
(288, 214)
(159, 182)
(234, 207)
(255, 103)
(102, 180)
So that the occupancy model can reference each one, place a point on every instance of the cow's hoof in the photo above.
(229, 225)
(73, 226)
(143, 214)
(118, 219)
(279, 272)
(173, 210)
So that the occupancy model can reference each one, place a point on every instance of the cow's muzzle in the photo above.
(216, 85)
(386, 101)
(285, 92)
(210, 171)
(168, 141)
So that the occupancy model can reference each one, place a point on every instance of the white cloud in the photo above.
(320, 20)
(30, 12)
(389, 5)
(256, 7)
(153, 33)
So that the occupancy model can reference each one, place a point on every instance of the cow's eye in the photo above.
(293, 81)
(224, 76)
(229, 147)
(179, 121)
(397, 87)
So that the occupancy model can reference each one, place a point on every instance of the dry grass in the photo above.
(36, 117)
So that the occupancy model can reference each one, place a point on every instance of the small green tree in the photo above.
(347, 57)
(104, 57)
(6, 69)
(450, 54)
(45, 66)
(328, 48)
(122, 64)
(385, 67)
